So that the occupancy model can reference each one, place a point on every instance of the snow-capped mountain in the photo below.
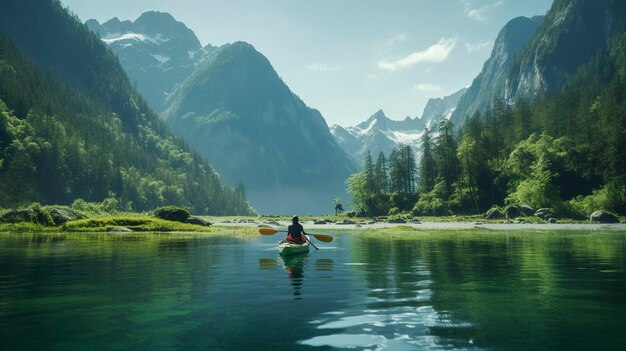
(379, 133)
(157, 52)
(438, 109)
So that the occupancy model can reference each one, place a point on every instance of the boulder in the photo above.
(172, 213)
(494, 213)
(397, 220)
(551, 220)
(528, 210)
(544, 213)
(62, 215)
(346, 222)
(35, 215)
(518, 210)
(603, 217)
(16, 216)
(118, 230)
(198, 221)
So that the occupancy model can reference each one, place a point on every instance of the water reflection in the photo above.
(295, 266)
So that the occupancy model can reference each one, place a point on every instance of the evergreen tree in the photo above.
(368, 168)
(380, 174)
(427, 164)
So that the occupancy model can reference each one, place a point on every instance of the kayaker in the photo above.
(295, 232)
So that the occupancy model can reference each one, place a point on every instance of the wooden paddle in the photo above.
(271, 231)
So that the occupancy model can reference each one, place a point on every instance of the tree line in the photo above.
(57, 143)
(565, 151)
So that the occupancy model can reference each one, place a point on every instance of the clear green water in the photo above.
(473, 291)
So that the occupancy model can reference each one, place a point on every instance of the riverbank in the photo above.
(312, 225)
(127, 223)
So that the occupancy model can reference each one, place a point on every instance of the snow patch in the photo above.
(161, 59)
(115, 37)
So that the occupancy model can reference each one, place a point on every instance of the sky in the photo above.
(348, 58)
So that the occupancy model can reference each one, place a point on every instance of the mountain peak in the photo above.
(237, 112)
(379, 118)
(491, 81)
(157, 51)
(380, 114)
(155, 16)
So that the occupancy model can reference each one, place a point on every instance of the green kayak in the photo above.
(286, 248)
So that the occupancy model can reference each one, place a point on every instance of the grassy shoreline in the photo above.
(141, 223)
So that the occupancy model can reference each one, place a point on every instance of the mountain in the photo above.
(72, 125)
(378, 133)
(573, 32)
(237, 112)
(534, 57)
(156, 51)
(437, 109)
(491, 82)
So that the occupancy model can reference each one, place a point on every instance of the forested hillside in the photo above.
(72, 126)
(238, 113)
(565, 151)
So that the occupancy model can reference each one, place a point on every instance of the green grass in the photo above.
(26, 227)
(134, 223)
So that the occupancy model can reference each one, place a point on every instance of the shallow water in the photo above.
(436, 291)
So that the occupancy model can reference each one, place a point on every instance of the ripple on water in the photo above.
(397, 328)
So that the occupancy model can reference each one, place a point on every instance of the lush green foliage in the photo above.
(72, 126)
(388, 186)
(108, 206)
(135, 223)
(565, 151)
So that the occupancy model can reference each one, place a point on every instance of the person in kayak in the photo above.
(296, 232)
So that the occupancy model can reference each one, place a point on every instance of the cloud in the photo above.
(426, 87)
(400, 38)
(479, 13)
(436, 53)
(320, 67)
(483, 44)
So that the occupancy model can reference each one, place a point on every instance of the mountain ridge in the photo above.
(236, 111)
(485, 87)
(378, 133)
(73, 125)
(157, 52)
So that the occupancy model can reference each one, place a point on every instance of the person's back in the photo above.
(295, 232)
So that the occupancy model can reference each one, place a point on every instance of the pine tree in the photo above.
(380, 174)
(428, 171)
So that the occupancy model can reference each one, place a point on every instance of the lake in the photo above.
(450, 290)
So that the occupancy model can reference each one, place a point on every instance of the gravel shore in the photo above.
(310, 226)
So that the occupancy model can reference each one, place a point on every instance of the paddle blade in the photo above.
(267, 231)
(323, 237)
